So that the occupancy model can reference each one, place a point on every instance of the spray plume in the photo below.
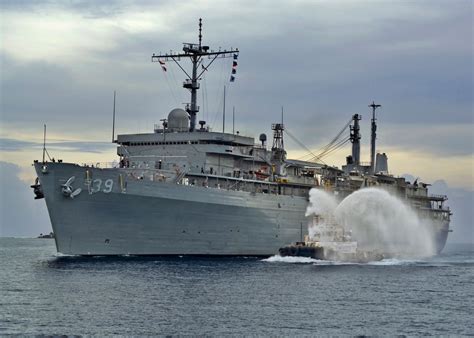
(320, 203)
(377, 220)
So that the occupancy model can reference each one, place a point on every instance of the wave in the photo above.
(393, 261)
(306, 260)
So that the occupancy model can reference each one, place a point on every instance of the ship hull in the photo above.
(156, 218)
(441, 236)
(128, 216)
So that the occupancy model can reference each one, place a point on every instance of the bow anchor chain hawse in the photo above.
(38, 191)
(68, 190)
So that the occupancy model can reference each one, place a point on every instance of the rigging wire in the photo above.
(300, 143)
(320, 157)
(175, 82)
(220, 90)
(336, 143)
(335, 147)
(205, 101)
(170, 88)
(203, 104)
(328, 146)
(203, 91)
(337, 137)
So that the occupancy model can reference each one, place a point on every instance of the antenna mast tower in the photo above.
(373, 137)
(196, 53)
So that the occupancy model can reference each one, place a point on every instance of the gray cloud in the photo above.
(16, 145)
(7, 144)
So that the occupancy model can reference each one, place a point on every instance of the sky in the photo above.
(322, 61)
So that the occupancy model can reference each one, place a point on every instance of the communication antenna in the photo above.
(44, 142)
(223, 114)
(200, 32)
(113, 122)
(45, 152)
(233, 120)
(196, 52)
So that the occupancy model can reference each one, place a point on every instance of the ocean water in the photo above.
(42, 292)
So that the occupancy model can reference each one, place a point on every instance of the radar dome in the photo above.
(178, 120)
(263, 139)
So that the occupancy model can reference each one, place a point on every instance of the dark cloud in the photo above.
(20, 214)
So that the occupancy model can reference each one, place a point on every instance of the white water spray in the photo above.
(378, 221)
(320, 203)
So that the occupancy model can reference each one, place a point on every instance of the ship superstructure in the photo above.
(184, 189)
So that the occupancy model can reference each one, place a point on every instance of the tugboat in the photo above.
(330, 242)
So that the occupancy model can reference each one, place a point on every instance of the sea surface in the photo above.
(42, 292)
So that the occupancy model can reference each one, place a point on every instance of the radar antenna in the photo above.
(196, 53)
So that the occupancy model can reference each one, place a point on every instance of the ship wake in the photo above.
(309, 260)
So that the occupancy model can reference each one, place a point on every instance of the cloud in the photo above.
(16, 145)
(20, 214)
(75, 146)
(460, 202)
(447, 140)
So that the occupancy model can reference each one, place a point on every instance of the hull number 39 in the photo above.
(99, 185)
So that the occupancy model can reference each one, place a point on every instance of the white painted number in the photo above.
(97, 185)
(108, 185)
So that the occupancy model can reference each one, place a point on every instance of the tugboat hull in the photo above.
(301, 249)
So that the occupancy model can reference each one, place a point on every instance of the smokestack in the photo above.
(381, 163)
(355, 139)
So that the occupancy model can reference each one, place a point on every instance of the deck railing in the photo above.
(102, 165)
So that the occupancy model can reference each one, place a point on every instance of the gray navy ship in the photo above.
(184, 189)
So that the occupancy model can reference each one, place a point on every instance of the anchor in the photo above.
(67, 188)
(37, 189)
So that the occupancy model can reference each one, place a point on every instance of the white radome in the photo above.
(178, 120)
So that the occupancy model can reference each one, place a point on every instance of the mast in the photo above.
(113, 122)
(373, 137)
(44, 142)
(223, 114)
(233, 120)
(196, 53)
